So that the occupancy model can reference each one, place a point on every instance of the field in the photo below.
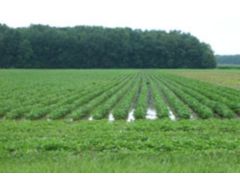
(228, 77)
(119, 121)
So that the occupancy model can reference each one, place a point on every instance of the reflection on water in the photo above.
(171, 115)
(111, 117)
(151, 114)
(90, 118)
(131, 116)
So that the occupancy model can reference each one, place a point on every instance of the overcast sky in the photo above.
(216, 22)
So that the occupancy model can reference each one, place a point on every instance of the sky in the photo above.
(216, 22)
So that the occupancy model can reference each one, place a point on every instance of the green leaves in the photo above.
(179, 107)
(122, 109)
(142, 104)
(40, 46)
(159, 103)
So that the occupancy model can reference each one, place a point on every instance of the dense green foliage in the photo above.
(41, 46)
(143, 146)
(228, 59)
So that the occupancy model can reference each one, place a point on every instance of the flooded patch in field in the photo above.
(90, 118)
(111, 117)
(171, 115)
(131, 116)
(70, 120)
(192, 117)
(151, 114)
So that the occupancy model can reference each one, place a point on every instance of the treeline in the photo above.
(40, 46)
(228, 59)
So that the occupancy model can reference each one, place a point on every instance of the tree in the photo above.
(40, 46)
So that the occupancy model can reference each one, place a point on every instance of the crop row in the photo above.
(86, 109)
(213, 92)
(118, 95)
(203, 105)
(52, 105)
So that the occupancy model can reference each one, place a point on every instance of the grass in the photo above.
(228, 66)
(223, 77)
(99, 146)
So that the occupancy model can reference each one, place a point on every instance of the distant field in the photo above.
(119, 120)
(228, 66)
(223, 77)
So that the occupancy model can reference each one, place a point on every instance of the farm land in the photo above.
(129, 120)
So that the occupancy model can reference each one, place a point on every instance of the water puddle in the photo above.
(151, 114)
(131, 116)
(111, 117)
(90, 118)
(191, 116)
(171, 115)
(68, 120)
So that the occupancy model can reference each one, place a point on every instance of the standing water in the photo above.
(111, 117)
(171, 115)
(131, 116)
(151, 114)
(90, 118)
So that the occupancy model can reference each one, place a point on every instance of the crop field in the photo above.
(113, 95)
(117, 121)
